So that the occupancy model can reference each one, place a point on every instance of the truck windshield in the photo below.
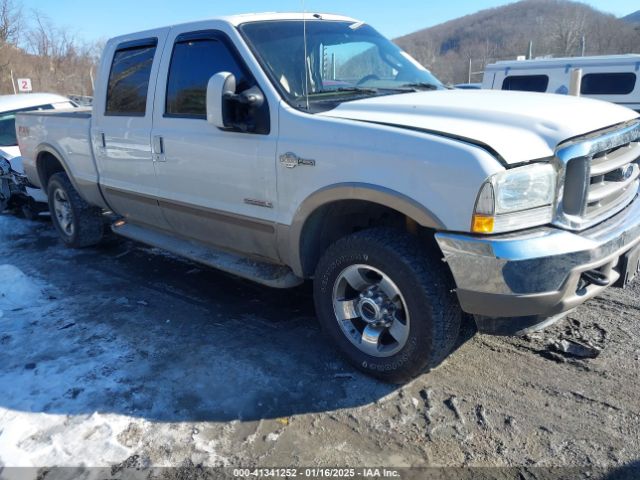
(8, 125)
(344, 61)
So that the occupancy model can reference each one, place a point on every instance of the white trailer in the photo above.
(613, 78)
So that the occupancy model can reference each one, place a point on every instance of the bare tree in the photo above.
(11, 20)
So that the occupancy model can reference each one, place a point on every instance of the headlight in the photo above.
(515, 199)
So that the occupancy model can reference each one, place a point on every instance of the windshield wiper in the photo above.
(420, 86)
(371, 91)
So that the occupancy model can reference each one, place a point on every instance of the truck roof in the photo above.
(603, 60)
(23, 100)
(270, 16)
(240, 19)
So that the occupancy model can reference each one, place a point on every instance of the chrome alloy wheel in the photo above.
(371, 310)
(63, 211)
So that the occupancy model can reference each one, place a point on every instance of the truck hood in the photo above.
(518, 126)
(9, 152)
(13, 155)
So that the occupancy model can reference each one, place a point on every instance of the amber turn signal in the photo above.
(483, 224)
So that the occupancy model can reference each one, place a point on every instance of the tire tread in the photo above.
(89, 227)
(432, 277)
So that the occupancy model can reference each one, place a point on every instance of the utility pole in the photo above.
(13, 83)
(469, 70)
(530, 53)
(333, 66)
(583, 45)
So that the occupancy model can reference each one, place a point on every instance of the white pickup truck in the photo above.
(284, 147)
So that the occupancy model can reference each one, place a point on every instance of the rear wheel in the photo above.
(78, 223)
(387, 304)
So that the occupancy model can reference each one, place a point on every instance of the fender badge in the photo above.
(291, 160)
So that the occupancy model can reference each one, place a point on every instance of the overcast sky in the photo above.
(107, 18)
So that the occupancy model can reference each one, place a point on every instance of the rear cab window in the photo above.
(129, 77)
(610, 83)
(526, 83)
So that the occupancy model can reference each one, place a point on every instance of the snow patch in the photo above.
(32, 440)
(11, 226)
(17, 290)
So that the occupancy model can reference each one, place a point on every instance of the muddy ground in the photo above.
(133, 357)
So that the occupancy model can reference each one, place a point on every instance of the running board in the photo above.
(275, 276)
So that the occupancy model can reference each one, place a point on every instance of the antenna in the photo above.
(306, 70)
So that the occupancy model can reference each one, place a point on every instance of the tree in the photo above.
(11, 20)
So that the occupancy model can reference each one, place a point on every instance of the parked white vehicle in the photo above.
(282, 150)
(613, 78)
(15, 191)
(468, 86)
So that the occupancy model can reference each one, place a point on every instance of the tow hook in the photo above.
(596, 277)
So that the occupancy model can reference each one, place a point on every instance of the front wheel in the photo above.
(78, 223)
(387, 304)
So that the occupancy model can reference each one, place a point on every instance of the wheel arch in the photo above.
(48, 162)
(323, 217)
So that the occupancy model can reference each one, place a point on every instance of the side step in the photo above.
(275, 276)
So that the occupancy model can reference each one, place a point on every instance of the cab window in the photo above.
(195, 59)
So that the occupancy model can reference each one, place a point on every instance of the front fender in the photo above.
(291, 236)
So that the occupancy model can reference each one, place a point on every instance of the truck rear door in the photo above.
(121, 128)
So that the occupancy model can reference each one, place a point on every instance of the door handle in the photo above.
(100, 142)
(158, 149)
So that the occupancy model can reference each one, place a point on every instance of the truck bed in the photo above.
(68, 134)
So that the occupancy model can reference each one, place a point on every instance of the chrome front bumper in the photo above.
(515, 281)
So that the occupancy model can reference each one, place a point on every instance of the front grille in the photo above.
(613, 179)
(600, 175)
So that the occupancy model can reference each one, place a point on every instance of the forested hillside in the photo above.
(32, 47)
(556, 27)
(633, 18)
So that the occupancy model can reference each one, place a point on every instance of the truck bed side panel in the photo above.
(65, 134)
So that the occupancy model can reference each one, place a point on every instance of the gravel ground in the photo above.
(131, 357)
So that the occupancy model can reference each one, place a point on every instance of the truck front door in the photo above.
(216, 186)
